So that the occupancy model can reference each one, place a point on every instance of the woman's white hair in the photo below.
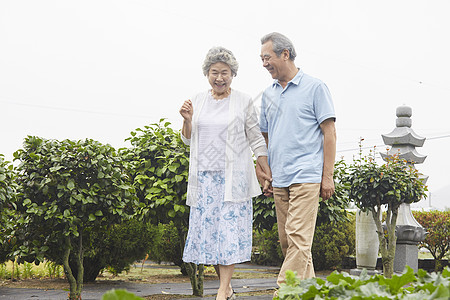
(223, 55)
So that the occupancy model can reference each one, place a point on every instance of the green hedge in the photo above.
(437, 241)
(266, 247)
(333, 242)
(167, 245)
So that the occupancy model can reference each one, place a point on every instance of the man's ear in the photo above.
(285, 54)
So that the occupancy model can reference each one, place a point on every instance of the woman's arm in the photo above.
(264, 175)
(187, 111)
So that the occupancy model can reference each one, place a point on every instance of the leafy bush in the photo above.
(332, 210)
(266, 247)
(340, 286)
(166, 246)
(264, 216)
(7, 184)
(8, 189)
(390, 184)
(332, 243)
(115, 248)
(160, 174)
(68, 188)
(437, 241)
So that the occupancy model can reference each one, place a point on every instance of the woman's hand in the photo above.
(264, 175)
(187, 110)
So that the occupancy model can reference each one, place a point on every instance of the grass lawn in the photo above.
(41, 277)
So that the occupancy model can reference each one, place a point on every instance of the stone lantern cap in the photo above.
(403, 133)
(407, 153)
(403, 139)
(403, 136)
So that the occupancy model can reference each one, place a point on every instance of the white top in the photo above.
(212, 134)
(243, 137)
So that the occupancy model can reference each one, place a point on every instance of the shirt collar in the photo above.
(296, 80)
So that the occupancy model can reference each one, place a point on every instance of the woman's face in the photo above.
(220, 77)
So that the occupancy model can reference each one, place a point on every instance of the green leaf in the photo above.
(99, 213)
(91, 217)
(441, 292)
(71, 184)
(397, 282)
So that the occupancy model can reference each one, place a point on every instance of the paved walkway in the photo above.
(95, 291)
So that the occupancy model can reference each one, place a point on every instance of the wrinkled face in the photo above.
(272, 63)
(220, 77)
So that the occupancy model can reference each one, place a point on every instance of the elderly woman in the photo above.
(221, 127)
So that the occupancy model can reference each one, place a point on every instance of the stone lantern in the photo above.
(409, 232)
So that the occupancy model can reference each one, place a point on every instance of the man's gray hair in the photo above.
(223, 55)
(280, 43)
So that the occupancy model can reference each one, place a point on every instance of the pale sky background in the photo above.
(100, 69)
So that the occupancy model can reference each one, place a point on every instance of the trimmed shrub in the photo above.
(116, 248)
(437, 241)
(167, 244)
(333, 242)
(266, 247)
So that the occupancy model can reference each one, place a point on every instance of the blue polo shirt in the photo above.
(292, 118)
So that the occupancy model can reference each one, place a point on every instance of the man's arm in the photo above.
(263, 172)
(329, 154)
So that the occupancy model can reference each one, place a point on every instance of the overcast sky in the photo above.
(100, 69)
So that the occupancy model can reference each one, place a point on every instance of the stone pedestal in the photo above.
(406, 255)
(367, 243)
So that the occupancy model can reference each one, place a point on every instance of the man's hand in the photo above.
(327, 187)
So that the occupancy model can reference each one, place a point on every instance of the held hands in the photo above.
(264, 175)
(267, 188)
(187, 110)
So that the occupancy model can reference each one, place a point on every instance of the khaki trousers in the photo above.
(296, 208)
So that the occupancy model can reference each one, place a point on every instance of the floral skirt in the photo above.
(219, 232)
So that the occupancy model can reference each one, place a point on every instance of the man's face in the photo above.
(271, 61)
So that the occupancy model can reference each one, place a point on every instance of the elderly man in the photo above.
(297, 121)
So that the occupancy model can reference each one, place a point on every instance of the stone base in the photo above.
(357, 272)
(406, 255)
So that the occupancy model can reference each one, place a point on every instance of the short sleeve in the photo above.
(323, 104)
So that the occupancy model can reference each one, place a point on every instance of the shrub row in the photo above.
(437, 241)
(333, 242)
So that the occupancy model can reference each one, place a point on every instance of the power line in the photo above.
(378, 146)
(73, 109)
